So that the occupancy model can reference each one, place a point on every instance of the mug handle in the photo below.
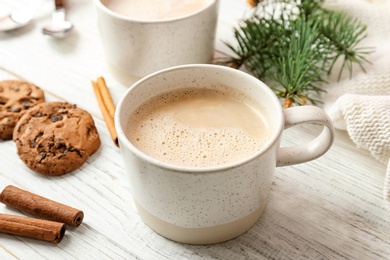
(313, 149)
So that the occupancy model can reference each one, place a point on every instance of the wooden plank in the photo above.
(331, 208)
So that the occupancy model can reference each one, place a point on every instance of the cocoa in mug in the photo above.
(221, 194)
(199, 127)
(154, 10)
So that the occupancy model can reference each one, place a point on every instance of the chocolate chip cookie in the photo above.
(15, 98)
(54, 138)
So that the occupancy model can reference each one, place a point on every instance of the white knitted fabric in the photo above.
(361, 104)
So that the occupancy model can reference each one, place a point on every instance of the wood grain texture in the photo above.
(330, 208)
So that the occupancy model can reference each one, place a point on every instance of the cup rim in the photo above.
(124, 141)
(105, 9)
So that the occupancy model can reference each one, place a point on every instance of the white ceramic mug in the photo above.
(134, 48)
(210, 205)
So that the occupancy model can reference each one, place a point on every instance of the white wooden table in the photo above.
(331, 208)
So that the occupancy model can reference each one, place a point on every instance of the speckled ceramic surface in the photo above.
(137, 48)
(195, 198)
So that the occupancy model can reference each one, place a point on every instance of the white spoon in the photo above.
(59, 26)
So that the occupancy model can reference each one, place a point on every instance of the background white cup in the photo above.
(210, 205)
(135, 48)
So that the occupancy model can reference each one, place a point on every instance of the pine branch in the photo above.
(344, 33)
(299, 69)
(296, 43)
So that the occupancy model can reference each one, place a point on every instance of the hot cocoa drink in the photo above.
(197, 127)
(154, 10)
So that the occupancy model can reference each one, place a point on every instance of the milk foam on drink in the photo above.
(154, 10)
(198, 128)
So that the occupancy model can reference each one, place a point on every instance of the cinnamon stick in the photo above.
(39, 206)
(33, 228)
(106, 96)
(106, 106)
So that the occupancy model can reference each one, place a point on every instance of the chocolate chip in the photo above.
(3, 101)
(11, 109)
(39, 114)
(79, 153)
(32, 143)
(26, 103)
(42, 156)
(56, 117)
(60, 145)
